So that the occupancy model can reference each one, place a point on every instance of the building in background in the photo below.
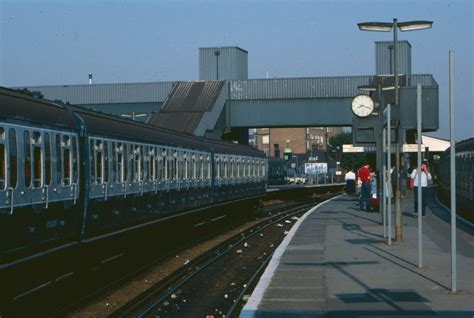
(273, 141)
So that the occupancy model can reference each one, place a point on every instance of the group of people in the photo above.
(364, 184)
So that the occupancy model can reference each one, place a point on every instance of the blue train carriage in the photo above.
(464, 172)
(70, 176)
(39, 176)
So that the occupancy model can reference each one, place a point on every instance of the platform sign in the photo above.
(315, 167)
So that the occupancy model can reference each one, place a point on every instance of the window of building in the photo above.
(266, 139)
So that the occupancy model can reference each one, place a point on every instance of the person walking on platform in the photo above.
(364, 175)
(350, 183)
(425, 177)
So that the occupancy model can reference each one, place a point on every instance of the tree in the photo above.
(348, 160)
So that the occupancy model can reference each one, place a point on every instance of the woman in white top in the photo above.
(350, 182)
(425, 177)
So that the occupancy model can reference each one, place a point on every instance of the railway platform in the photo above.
(335, 262)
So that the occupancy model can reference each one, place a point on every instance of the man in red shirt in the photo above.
(364, 175)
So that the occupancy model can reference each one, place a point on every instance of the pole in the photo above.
(384, 185)
(398, 205)
(389, 175)
(418, 135)
(217, 53)
(381, 161)
(453, 171)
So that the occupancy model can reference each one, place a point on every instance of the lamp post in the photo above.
(217, 53)
(388, 27)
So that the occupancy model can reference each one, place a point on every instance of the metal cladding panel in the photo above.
(423, 79)
(285, 88)
(232, 63)
(383, 57)
(193, 96)
(106, 93)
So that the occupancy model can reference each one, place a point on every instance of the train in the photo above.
(70, 175)
(277, 171)
(464, 175)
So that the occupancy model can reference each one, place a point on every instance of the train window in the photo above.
(114, 162)
(37, 165)
(201, 168)
(47, 157)
(13, 157)
(164, 166)
(58, 159)
(67, 166)
(135, 163)
(98, 162)
(3, 165)
(143, 163)
(175, 168)
(74, 160)
(151, 164)
(27, 158)
(118, 164)
(92, 160)
(196, 166)
(106, 161)
(126, 162)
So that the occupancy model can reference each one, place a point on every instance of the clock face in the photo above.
(362, 105)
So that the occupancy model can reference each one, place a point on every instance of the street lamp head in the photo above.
(375, 26)
(414, 25)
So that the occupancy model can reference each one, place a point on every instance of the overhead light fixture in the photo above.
(375, 26)
(414, 25)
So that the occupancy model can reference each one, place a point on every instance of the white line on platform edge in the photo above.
(250, 308)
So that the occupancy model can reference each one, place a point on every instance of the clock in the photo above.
(362, 105)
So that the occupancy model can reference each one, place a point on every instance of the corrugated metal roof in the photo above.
(106, 93)
(183, 122)
(193, 96)
(186, 105)
(279, 88)
(286, 88)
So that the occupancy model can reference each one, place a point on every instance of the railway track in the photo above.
(79, 293)
(181, 293)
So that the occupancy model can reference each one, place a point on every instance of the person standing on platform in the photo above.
(364, 175)
(425, 177)
(350, 183)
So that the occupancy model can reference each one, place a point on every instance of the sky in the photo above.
(60, 42)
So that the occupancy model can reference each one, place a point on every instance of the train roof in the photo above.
(15, 105)
(40, 111)
(462, 146)
(107, 125)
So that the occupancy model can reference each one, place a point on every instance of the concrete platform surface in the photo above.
(335, 262)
